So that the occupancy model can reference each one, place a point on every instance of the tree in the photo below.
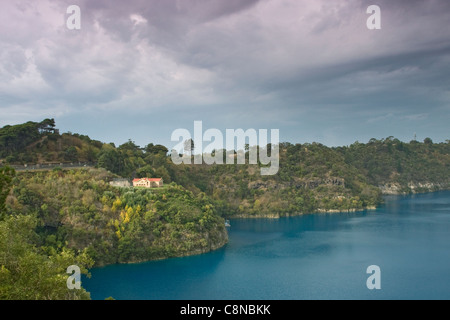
(47, 126)
(129, 146)
(6, 176)
(145, 171)
(16, 138)
(428, 141)
(26, 273)
(110, 159)
(189, 146)
(155, 149)
(71, 154)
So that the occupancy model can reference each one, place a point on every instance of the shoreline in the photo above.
(278, 216)
(268, 216)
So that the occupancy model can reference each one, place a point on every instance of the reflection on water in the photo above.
(315, 256)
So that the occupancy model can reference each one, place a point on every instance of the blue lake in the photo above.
(314, 256)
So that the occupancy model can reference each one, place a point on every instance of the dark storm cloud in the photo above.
(302, 66)
(168, 20)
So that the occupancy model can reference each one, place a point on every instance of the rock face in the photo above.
(391, 188)
(219, 240)
(421, 187)
(307, 184)
(213, 240)
(396, 188)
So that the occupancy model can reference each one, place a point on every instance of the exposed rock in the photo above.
(308, 184)
(396, 188)
(391, 188)
(335, 182)
(312, 184)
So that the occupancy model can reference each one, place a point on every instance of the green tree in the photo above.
(16, 138)
(26, 273)
(111, 159)
(71, 154)
(189, 146)
(155, 149)
(6, 176)
(47, 126)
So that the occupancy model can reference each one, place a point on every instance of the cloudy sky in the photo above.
(139, 69)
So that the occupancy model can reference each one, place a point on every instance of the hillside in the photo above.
(78, 209)
(51, 218)
(33, 143)
(312, 177)
(398, 167)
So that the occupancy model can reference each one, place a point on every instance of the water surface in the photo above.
(314, 256)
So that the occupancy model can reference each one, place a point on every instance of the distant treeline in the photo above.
(311, 176)
(50, 219)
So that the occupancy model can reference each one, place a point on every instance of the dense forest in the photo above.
(53, 219)
(408, 167)
(50, 219)
(312, 177)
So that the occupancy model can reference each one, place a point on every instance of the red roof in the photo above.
(148, 179)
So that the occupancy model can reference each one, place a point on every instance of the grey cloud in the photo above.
(169, 20)
(14, 60)
(256, 60)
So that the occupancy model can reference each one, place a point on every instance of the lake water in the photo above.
(315, 256)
